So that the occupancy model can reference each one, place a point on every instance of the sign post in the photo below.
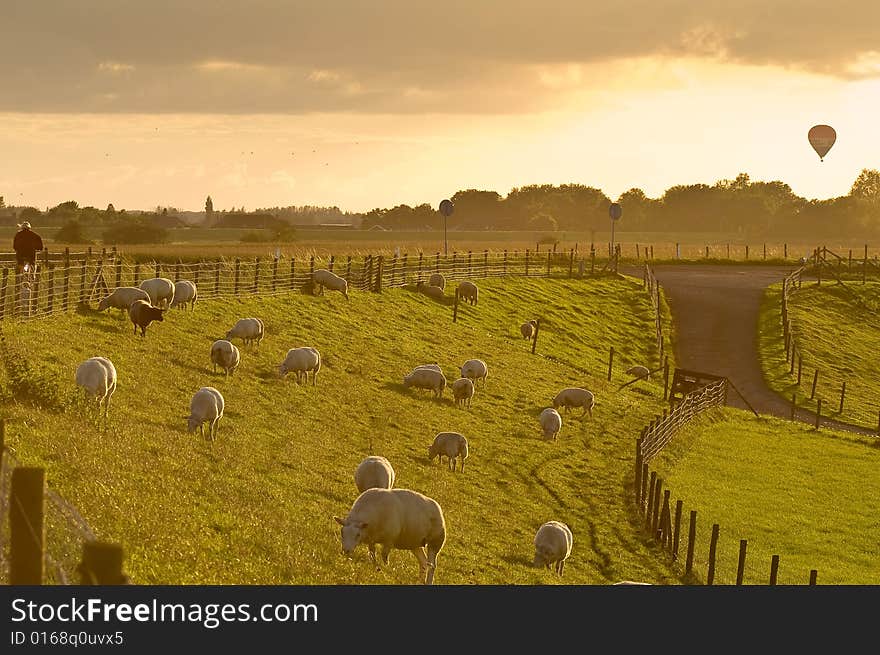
(615, 211)
(446, 208)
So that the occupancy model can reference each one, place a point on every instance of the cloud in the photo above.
(403, 56)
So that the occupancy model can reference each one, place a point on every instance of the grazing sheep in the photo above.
(437, 280)
(575, 397)
(122, 297)
(431, 291)
(324, 278)
(553, 543)
(206, 406)
(97, 377)
(301, 361)
(225, 354)
(249, 330)
(551, 423)
(142, 314)
(638, 372)
(528, 329)
(468, 291)
(184, 292)
(475, 369)
(426, 378)
(462, 392)
(396, 519)
(160, 290)
(451, 444)
(374, 472)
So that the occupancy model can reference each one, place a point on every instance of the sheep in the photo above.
(432, 367)
(462, 392)
(553, 543)
(226, 355)
(528, 329)
(575, 397)
(437, 280)
(468, 292)
(475, 369)
(396, 519)
(142, 314)
(324, 278)
(184, 292)
(122, 297)
(159, 289)
(638, 372)
(97, 377)
(451, 444)
(426, 378)
(301, 361)
(551, 423)
(249, 330)
(206, 406)
(374, 472)
(431, 291)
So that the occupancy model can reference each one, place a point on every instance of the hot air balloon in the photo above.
(822, 137)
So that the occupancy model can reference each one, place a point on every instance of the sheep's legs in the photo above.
(560, 566)
(426, 573)
(433, 551)
(386, 551)
(372, 549)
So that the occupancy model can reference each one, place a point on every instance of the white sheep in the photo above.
(551, 423)
(97, 377)
(426, 378)
(374, 472)
(437, 280)
(396, 519)
(468, 291)
(575, 397)
(638, 371)
(431, 291)
(462, 392)
(528, 329)
(553, 543)
(249, 330)
(301, 361)
(122, 297)
(226, 355)
(184, 292)
(206, 406)
(452, 444)
(324, 278)
(160, 290)
(475, 369)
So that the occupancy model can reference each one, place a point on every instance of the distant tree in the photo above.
(30, 214)
(209, 206)
(135, 230)
(867, 186)
(71, 232)
(2, 202)
(111, 209)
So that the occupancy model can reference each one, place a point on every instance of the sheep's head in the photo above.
(104, 304)
(432, 453)
(282, 370)
(543, 556)
(192, 423)
(352, 533)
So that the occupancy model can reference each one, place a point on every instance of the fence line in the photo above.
(657, 516)
(653, 287)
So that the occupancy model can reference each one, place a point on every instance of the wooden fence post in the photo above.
(102, 564)
(137, 274)
(747, 251)
(274, 274)
(348, 267)
(610, 362)
(813, 575)
(486, 262)
(765, 251)
(644, 490)
(51, 297)
(548, 263)
(652, 484)
(655, 514)
(713, 545)
(527, 262)
(293, 272)
(158, 269)
(800, 368)
(815, 380)
(666, 378)
(662, 533)
(741, 566)
(571, 263)
(637, 483)
(692, 538)
(535, 337)
(455, 308)
(785, 251)
(256, 275)
(676, 530)
(774, 570)
(237, 276)
(592, 258)
(470, 264)
(332, 262)
(311, 265)
(177, 271)
(27, 527)
(118, 272)
(379, 269)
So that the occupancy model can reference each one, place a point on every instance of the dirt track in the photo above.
(715, 312)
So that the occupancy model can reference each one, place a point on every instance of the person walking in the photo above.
(26, 244)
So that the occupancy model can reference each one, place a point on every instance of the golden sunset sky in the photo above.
(372, 104)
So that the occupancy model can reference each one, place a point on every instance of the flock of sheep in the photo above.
(381, 514)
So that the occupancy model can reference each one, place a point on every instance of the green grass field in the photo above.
(257, 506)
(837, 333)
(812, 498)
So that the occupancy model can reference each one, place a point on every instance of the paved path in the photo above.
(715, 311)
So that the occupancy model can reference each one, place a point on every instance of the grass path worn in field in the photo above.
(837, 332)
(813, 498)
(257, 506)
